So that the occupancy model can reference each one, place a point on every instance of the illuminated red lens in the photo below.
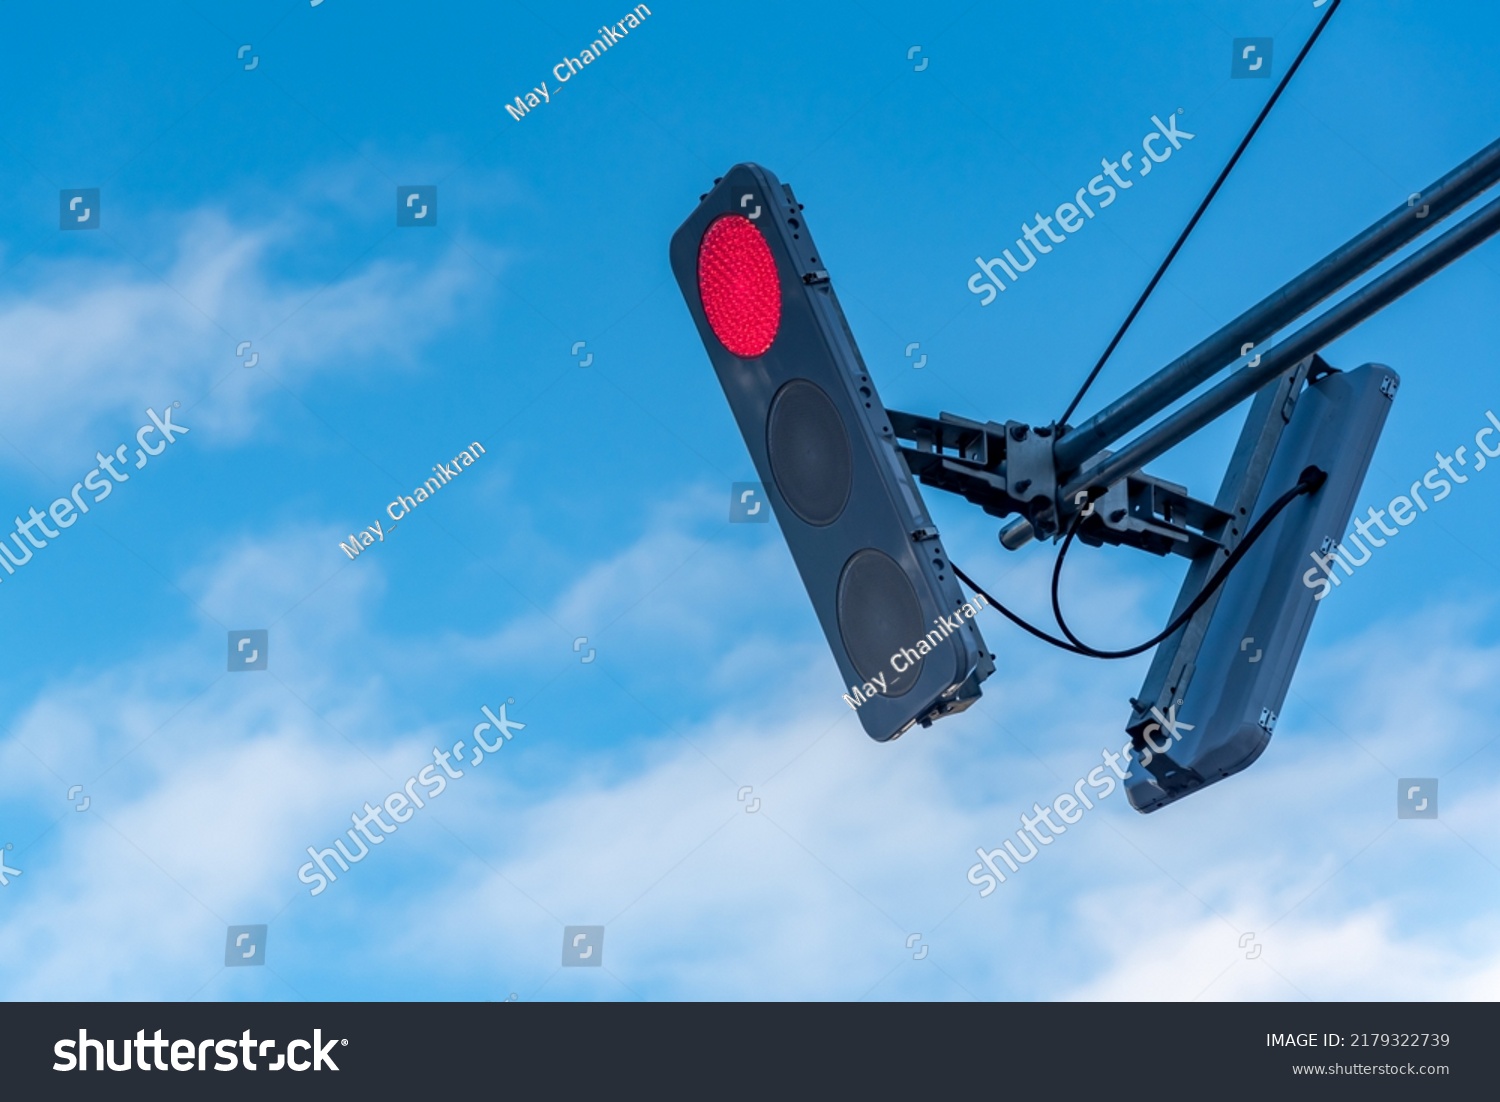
(739, 286)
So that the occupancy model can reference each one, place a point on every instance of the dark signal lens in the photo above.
(739, 286)
(809, 452)
(879, 616)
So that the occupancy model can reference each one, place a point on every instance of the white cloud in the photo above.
(89, 344)
(854, 846)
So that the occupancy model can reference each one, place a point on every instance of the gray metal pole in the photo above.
(1368, 300)
(1277, 310)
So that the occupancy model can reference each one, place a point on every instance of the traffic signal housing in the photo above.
(1217, 693)
(898, 625)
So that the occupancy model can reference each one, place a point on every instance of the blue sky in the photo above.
(259, 205)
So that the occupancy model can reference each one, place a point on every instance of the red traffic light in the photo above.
(823, 446)
(739, 286)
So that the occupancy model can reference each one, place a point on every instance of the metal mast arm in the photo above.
(1361, 253)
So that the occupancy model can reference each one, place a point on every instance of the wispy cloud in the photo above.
(851, 848)
(90, 343)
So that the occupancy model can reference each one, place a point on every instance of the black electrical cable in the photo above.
(1311, 479)
(1309, 482)
(1192, 222)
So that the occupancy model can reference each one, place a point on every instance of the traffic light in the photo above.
(850, 512)
(1214, 696)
